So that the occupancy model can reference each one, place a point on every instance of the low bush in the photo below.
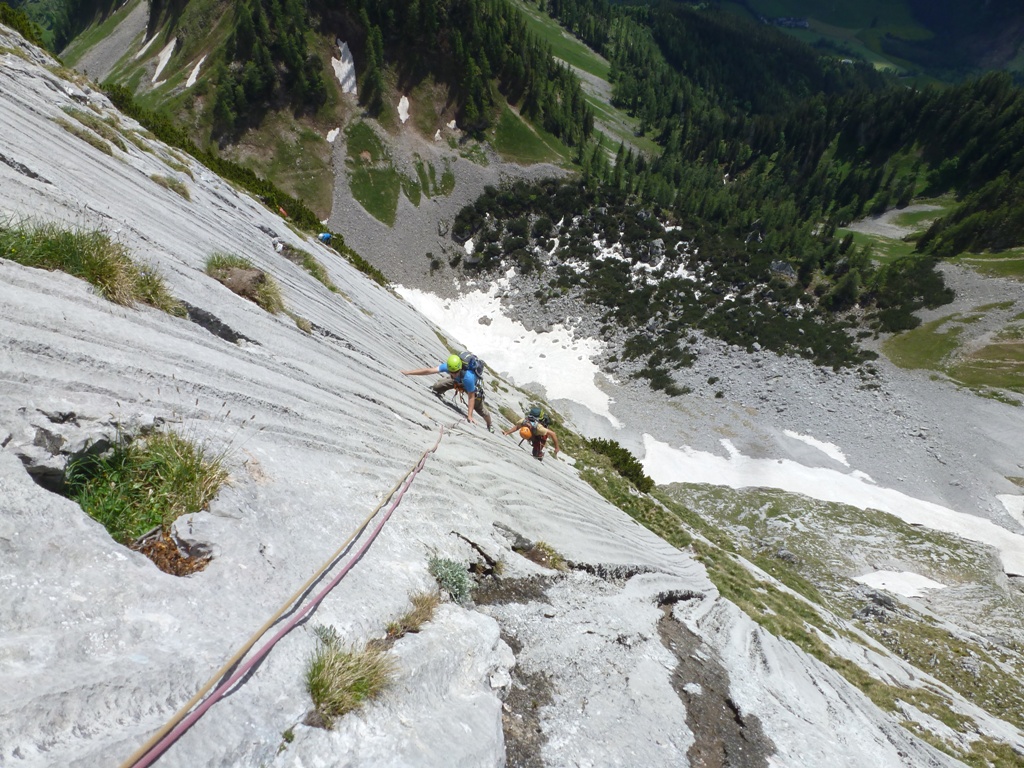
(341, 679)
(144, 484)
(625, 463)
(90, 256)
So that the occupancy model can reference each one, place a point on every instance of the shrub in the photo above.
(261, 288)
(452, 577)
(145, 484)
(90, 256)
(624, 462)
(340, 680)
(18, 20)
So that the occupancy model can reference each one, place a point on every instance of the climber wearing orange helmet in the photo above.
(464, 377)
(532, 428)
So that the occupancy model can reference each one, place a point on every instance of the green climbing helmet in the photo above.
(454, 364)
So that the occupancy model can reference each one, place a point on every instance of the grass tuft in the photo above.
(145, 484)
(240, 276)
(544, 554)
(98, 125)
(423, 606)
(90, 256)
(341, 679)
(85, 135)
(452, 577)
(175, 185)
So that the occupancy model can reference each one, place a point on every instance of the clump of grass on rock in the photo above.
(423, 606)
(240, 276)
(144, 484)
(90, 256)
(341, 679)
(175, 185)
(452, 577)
(544, 554)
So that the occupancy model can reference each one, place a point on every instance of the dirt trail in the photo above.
(885, 224)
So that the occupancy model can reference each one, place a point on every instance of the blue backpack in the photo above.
(471, 362)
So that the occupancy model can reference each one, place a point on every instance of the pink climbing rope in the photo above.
(154, 752)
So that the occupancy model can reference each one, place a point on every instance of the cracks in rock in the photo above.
(491, 566)
(22, 169)
(215, 325)
(520, 718)
(611, 572)
(723, 735)
(673, 596)
(321, 331)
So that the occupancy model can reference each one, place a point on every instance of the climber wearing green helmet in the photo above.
(465, 374)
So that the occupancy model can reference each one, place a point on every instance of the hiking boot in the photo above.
(490, 428)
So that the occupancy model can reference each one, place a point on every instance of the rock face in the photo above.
(98, 648)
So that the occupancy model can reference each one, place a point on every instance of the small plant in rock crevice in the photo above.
(423, 606)
(239, 275)
(89, 255)
(452, 577)
(341, 679)
(544, 554)
(145, 483)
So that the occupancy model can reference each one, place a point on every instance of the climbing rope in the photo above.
(185, 717)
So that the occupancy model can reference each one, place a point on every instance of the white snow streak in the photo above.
(666, 464)
(829, 449)
(904, 583)
(195, 73)
(165, 56)
(345, 69)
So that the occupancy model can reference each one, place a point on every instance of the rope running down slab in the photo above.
(159, 742)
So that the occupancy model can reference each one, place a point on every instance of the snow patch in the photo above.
(332, 134)
(195, 73)
(904, 583)
(829, 449)
(437, 135)
(566, 370)
(345, 69)
(666, 464)
(403, 108)
(161, 62)
(1014, 505)
(144, 47)
(451, 124)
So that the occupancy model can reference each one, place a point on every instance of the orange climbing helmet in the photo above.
(525, 432)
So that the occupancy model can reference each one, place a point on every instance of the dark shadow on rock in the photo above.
(214, 325)
(24, 170)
